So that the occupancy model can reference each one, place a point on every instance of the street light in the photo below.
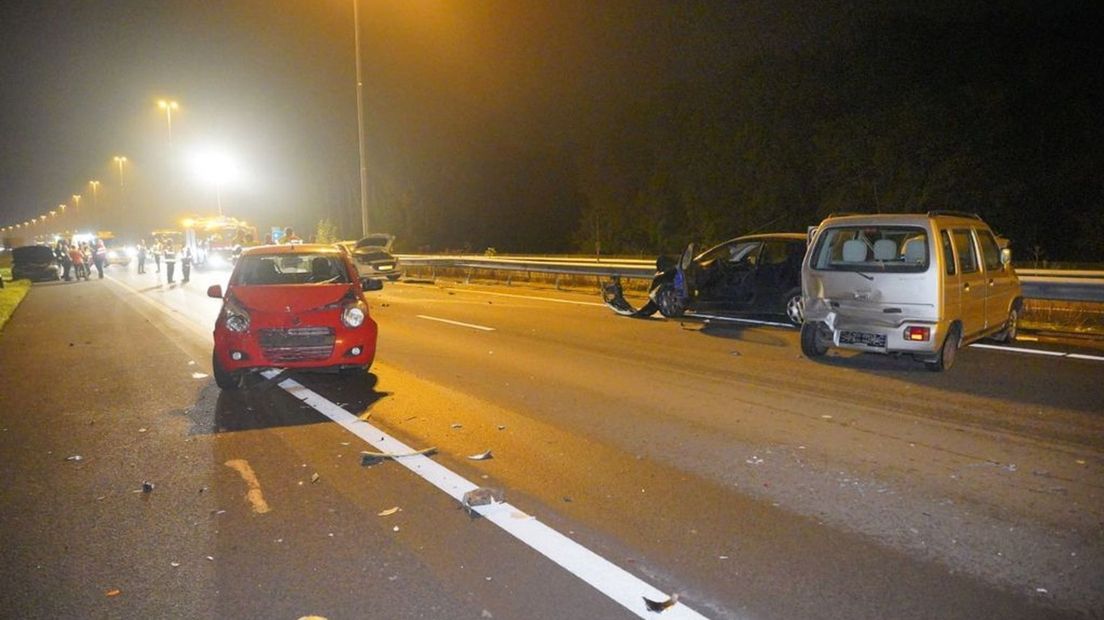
(120, 160)
(218, 168)
(168, 107)
(95, 186)
(360, 122)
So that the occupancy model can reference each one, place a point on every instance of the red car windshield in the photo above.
(285, 269)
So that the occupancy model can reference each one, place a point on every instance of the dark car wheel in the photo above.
(947, 353)
(670, 303)
(815, 338)
(225, 380)
(795, 307)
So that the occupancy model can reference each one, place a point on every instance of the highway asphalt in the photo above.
(703, 458)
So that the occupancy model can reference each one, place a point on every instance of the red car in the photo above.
(293, 306)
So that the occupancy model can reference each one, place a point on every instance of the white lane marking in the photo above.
(606, 577)
(254, 495)
(433, 318)
(1078, 356)
(532, 297)
(187, 320)
(738, 320)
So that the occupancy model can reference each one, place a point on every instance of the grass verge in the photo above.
(10, 296)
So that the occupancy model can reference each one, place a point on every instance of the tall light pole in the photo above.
(360, 122)
(95, 186)
(168, 107)
(119, 161)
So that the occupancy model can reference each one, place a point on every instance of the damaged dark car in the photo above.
(35, 263)
(754, 274)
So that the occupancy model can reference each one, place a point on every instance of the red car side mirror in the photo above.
(215, 290)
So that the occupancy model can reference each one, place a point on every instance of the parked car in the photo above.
(918, 284)
(750, 274)
(373, 256)
(35, 263)
(119, 255)
(293, 306)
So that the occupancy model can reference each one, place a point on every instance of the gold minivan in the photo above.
(918, 284)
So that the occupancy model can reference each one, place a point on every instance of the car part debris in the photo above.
(371, 458)
(659, 606)
(482, 496)
(614, 296)
(147, 486)
(456, 425)
(482, 456)
(314, 477)
(388, 512)
(113, 592)
(75, 457)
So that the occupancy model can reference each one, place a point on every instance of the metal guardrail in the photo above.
(1060, 285)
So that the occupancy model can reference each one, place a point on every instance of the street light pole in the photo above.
(120, 160)
(360, 122)
(168, 107)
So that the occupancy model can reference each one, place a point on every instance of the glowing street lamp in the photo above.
(168, 107)
(95, 186)
(218, 168)
(120, 160)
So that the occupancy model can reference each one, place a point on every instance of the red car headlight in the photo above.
(354, 315)
(236, 317)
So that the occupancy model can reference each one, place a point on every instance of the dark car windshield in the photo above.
(306, 268)
(32, 254)
(897, 249)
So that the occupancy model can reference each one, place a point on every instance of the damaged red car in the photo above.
(293, 307)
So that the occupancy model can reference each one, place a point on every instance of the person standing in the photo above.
(170, 259)
(99, 256)
(142, 250)
(158, 249)
(61, 252)
(77, 258)
(290, 236)
(185, 263)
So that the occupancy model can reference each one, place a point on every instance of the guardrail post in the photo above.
(557, 281)
(467, 280)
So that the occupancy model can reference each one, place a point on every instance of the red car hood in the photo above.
(291, 298)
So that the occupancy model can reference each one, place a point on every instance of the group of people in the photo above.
(165, 250)
(78, 258)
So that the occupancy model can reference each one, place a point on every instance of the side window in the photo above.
(967, 255)
(948, 254)
(774, 253)
(990, 251)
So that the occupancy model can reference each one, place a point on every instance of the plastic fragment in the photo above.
(174, 564)
(199, 375)
(113, 592)
(482, 496)
(659, 606)
(482, 456)
(370, 458)
(147, 486)
(501, 427)
(315, 477)
(75, 457)
(388, 512)
(456, 425)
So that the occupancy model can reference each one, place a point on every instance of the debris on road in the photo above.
(482, 496)
(754, 460)
(75, 457)
(371, 458)
(315, 477)
(456, 425)
(363, 417)
(388, 512)
(659, 606)
(174, 564)
(113, 592)
(147, 486)
(501, 427)
(482, 456)
(199, 375)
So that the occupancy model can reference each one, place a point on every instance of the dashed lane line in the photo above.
(611, 580)
(457, 323)
(1076, 356)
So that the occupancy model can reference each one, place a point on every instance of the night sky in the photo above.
(488, 123)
